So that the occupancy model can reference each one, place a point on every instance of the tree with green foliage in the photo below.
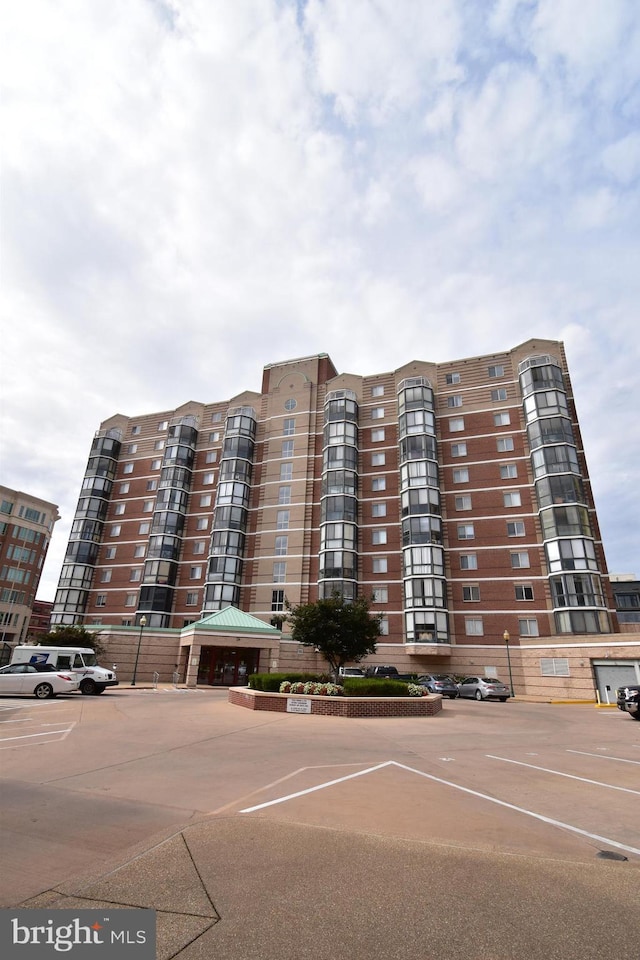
(342, 631)
(76, 636)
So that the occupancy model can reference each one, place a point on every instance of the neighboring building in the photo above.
(26, 525)
(40, 623)
(626, 596)
(456, 494)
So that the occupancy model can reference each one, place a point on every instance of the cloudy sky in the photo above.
(195, 188)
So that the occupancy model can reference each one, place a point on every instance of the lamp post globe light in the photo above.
(143, 623)
(506, 637)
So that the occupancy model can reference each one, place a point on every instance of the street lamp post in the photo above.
(506, 637)
(143, 623)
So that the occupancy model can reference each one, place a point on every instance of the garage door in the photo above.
(611, 674)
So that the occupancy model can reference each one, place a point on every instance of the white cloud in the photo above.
(192, 189)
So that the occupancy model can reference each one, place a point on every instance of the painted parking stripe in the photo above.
(558, 773)
(600, 756)
(456, 786)
(30, 736)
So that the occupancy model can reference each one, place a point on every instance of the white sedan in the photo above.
(25, 679)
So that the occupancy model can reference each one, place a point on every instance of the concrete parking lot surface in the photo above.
(486, 831)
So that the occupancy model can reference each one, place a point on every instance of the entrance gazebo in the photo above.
(224, 647)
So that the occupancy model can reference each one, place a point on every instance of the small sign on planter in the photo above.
(298, 705)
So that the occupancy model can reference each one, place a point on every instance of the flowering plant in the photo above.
(415, 690)
(312, 688)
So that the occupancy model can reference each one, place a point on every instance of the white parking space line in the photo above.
(21, 720)
(455, 786)
(558, 773)
(321, 786)
(31, 736)
(601, 756)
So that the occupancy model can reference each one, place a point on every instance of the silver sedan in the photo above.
(483, 688)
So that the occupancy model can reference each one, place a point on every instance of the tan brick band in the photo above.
(339, 706)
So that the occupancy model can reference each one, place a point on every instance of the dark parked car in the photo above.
(384, 670)
(439, 683)
(628, 699)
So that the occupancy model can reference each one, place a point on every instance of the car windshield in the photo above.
(442, 679)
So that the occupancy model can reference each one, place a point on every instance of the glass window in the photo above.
(211, 457)
(110, 553)
(473, 627)
(124, 487)
(216, 416)
(466, 531)
(384, 627)
(528, 627)
(455, 426)
(131, 600)
(139, 550)
(512, 499)
(496, 371)
(471, 592)
(287, 448)
(379, 483)
(378, 536)
(163, 425)
(378, 459)
(377, 391)
(202, 523)
(144, 528)
(284, 495)
(192, 599)
(156, 464)
(378, 510)
(502, 419)
(451, 378)
(214, 437)
(381, 595)
(288, 426)
(128, 468)
(455, 401)
(377, 436)
(101, 600)
(504, 444)
(135, 574)
(115, 530)
(277, 596)
(198, 546)
(461, 475)
(458, 449)
(468, 561)
(195, 573)
(120, 508)
(515, 529)
(290, 404)
(147, 506)
(205, 500)
(286, 471)
(524, 591)
(158, 445)
(279, 572)
(152, 484)
(519, 560)
(377, 413)
(136, 430)
(500, 394)
(379, 564)
(463, 503)
(105, 576)
(282, 520)
(508, 471)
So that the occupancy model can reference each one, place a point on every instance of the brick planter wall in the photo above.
(339, 706)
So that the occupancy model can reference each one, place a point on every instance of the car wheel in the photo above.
(99, 689)
(503, 699)
(635, 716)
(43, 691)
(452, 696)
(88, 687)
(478, 695)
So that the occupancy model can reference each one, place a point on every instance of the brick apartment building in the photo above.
(456, 495)
(26, 525)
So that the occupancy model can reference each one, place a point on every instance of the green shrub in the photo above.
(374, 687)
(270, 682)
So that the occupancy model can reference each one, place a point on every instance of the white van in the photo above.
(81, 660)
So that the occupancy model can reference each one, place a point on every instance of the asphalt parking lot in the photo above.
(486, 831)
